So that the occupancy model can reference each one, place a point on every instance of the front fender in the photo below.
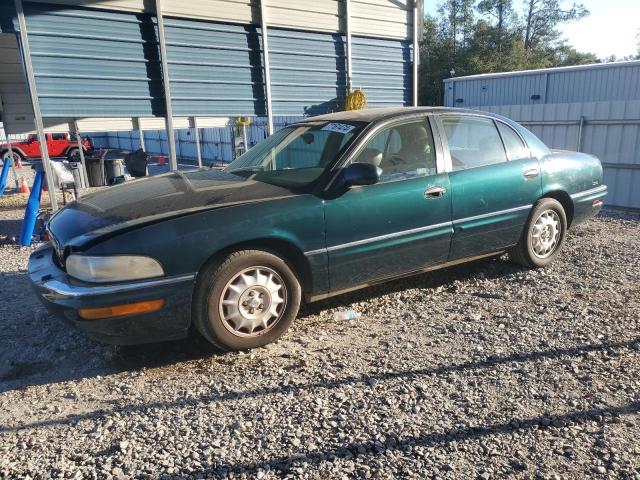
(185, 243)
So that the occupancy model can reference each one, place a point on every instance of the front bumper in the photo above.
(63, 296)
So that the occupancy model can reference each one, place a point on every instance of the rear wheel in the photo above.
(246, 300)
(73, 153)
(543, 236)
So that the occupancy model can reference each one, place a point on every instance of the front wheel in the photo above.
(246, 300)
(543, 235)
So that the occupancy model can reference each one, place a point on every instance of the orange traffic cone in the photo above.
(162, 160)
(24, 188)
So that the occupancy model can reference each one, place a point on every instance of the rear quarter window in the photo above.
(516, 149)
(537, 147)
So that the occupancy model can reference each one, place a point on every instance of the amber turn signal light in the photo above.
(120, 310)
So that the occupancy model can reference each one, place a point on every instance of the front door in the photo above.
(494, 183)
(399, 225)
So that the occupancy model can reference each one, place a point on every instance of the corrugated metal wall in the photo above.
(610, 81)
(383, 18)
(325, 15)
(382, 68)
(214, 68)
(308, 72)
(16, 102)
(90, 63)
(495, 91)
(616, 144)
(103, 64)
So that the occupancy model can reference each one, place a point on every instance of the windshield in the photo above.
(297, 155)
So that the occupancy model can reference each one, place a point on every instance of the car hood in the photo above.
(153, 199)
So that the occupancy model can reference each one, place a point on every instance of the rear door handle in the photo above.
(531, 173)
(435, 192)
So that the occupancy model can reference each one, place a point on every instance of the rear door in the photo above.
(494, 183)
(402, 223)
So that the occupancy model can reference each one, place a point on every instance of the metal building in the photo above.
(117, 65)
(591, 108)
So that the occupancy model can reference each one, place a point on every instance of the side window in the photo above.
(58, 136)
(401, 151)
(473, 142)
(516, 149)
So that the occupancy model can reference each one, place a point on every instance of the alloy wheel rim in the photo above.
(545, 234)
(253, 301)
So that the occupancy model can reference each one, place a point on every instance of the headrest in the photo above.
(370, 155)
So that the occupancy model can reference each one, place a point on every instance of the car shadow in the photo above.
(40, 349)
(10, 228)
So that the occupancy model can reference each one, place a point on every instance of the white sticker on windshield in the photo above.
(338, 127)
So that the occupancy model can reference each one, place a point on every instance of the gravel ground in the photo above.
(480, 371)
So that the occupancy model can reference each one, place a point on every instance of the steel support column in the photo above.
(196, 137)
(85, 175)
(580, 128)
(347, 21)
(13, 163)
(141, 134)
(265, 61)
(416, 49)
(171, 139)
(35, 103)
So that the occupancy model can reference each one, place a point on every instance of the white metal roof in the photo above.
(593, 66)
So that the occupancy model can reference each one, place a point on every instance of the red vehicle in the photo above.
(58, 145)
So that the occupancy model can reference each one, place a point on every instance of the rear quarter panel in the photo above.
(573, 173)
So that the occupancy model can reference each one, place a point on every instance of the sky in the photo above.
(610, 29)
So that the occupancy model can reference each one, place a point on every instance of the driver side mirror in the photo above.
(360, 174)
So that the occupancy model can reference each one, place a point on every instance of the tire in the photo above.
(73, 152)
(242, 280)
(533, 251)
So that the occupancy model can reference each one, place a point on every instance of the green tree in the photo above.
(468, 38)
(503, 14)
(542, 18)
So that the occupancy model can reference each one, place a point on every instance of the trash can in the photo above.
(114, 169)
(95, 171)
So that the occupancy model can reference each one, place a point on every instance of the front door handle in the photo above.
(435, 192)
(531, 173)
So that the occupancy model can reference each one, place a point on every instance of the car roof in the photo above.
(376, 114)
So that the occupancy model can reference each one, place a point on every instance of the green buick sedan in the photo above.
(324, 206)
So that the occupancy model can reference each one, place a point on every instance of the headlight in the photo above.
(116, 268)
